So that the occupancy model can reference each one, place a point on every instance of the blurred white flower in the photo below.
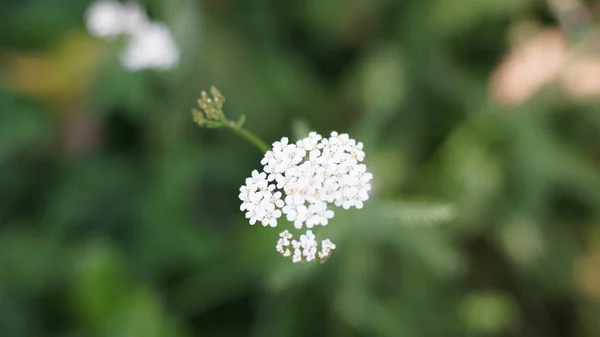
(104, 19)
(133, 18)
(150, 44)
(312, 174)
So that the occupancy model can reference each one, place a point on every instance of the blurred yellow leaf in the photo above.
(587, 275)
(57, 74)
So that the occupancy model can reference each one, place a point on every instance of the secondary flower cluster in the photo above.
(300, 180)
(305, 249)
(149, 43)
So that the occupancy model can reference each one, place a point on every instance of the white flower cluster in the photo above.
(312, 174)
(305, 249)
(150, 44)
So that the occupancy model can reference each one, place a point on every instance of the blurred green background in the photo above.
(120, 217)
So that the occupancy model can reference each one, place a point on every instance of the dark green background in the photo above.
(119, 217)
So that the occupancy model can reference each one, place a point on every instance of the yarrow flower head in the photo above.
(301, 181)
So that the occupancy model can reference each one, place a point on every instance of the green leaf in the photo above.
(101, 285)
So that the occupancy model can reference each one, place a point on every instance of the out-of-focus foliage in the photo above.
(119, 216)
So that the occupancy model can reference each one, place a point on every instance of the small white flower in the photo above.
(285, 235)
(310, 143)
(257, 180)
(320, 215)
(284, 243)
(297, 257)
(326, 247)
(254, 215)
(271, 214)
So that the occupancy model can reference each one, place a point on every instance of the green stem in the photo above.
(249, 136)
